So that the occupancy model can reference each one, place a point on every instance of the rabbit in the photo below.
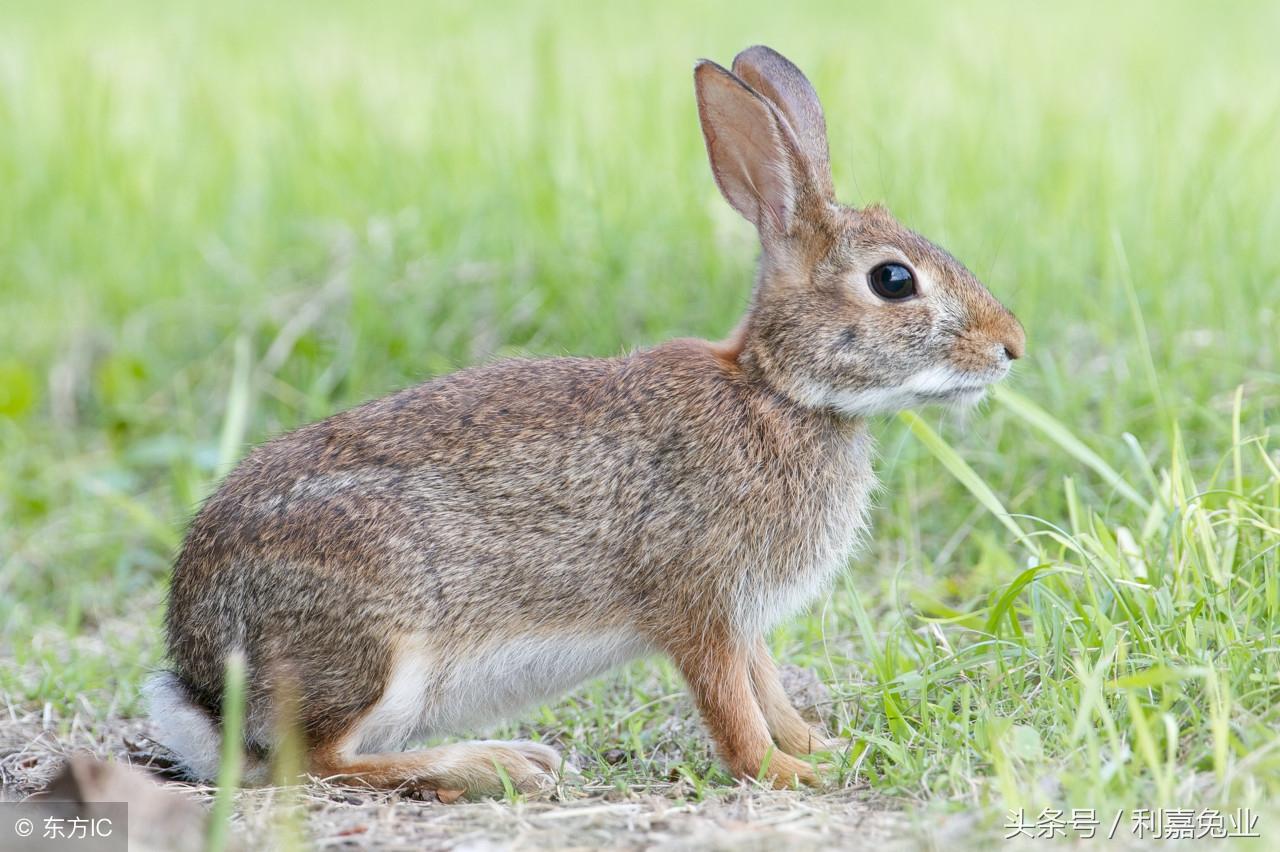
(434, 561)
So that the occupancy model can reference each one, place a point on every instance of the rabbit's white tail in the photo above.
(183, 727)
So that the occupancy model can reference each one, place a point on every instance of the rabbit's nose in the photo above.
(1013, 338)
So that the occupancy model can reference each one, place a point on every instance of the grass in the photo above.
(220, 223)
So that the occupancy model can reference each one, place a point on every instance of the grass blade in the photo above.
(1140, 326)
(966, 475)
(1010, 595)
(232, 767)
(236, 420)
(1057, 432)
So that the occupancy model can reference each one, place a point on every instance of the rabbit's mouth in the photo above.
(965, 397)
(942, 385)
(951, 387)
(974, 390)
(962, 398)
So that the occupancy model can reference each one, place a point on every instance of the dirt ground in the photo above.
(325, 816)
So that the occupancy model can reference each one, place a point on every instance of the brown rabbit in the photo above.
(436, 560)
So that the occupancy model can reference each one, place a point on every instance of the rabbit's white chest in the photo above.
(833, 525)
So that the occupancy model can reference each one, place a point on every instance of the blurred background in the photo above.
(220, 221)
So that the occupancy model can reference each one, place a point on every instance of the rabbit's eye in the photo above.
(892, 281)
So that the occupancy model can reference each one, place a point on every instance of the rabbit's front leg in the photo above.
(789, 730)
(718, 671)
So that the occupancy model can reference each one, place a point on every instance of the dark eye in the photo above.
(893, 281)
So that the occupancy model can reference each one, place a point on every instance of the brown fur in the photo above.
(682, 499)
(787, 727)
(444, 770)
(718, 669)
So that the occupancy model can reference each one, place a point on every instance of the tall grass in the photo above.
(231, 764)
(219, 221)
(1131, 662)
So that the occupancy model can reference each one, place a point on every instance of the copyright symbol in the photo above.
(23, 827)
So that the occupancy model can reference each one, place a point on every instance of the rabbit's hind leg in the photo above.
(368, 752)
(468, 769)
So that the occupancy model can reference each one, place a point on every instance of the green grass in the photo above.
(219, 223)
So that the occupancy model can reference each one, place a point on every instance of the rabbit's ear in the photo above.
(774, 76)
(755, 157)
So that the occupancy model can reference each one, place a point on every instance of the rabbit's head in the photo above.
(851, 311)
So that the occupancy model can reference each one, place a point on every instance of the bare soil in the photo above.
(577, 815)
